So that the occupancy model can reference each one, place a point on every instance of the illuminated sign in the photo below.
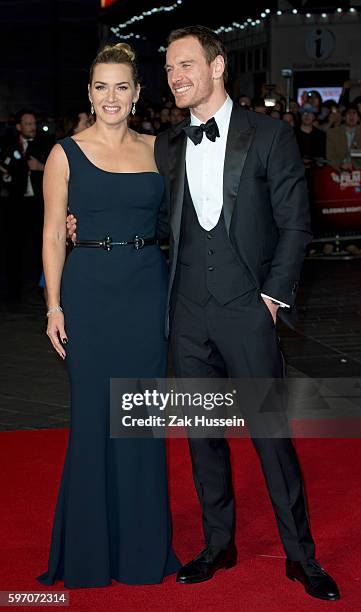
(106, 3)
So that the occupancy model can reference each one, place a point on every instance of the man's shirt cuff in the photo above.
(282, 304)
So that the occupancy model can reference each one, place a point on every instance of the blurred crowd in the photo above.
(327, 132)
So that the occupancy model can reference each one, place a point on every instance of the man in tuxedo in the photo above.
(23, 159)
(240, 225)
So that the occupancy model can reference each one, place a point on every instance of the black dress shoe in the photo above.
(206, 564)
(314, 578)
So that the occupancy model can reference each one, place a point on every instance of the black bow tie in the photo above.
(195, 132)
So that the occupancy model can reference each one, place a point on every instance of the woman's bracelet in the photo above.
(55, 309)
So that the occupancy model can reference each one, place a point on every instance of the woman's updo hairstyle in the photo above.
(121, 53)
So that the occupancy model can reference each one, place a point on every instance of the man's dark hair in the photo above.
(24, 111)
(351, 106)
(211, 43)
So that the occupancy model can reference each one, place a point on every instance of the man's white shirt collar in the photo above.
(222, 116)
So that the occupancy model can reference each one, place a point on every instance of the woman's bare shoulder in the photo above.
(146, 139)
(149, 138)
(57, 155)
(57, 163)
(84, 136)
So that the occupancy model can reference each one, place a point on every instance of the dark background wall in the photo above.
(46, 47)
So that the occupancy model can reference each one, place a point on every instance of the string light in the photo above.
(148, 13)
(127, 36)
(267, 13)
(249, 22)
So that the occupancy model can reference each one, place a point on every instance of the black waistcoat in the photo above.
(207, 264)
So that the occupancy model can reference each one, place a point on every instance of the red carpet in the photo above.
(31, 466)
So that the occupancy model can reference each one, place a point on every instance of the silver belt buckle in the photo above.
(138, 242)
(107, 243)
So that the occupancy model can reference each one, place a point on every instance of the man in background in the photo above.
(311, 140)
(23, 159)
(342, 140)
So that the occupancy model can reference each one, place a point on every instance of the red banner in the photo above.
(337, 199)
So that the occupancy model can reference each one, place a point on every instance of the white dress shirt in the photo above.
(205, 164)
(29, 188)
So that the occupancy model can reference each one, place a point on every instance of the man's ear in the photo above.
(218, 67)
(18, 127)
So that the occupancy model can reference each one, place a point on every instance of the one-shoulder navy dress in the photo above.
(112, 518)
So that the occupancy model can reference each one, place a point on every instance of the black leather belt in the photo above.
(107, 243)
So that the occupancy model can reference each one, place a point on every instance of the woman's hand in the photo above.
(56, 332)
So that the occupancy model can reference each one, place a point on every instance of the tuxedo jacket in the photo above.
(18, 168)
(265, 202)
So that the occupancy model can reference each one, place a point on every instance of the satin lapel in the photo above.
(177, 162)
(240, 136)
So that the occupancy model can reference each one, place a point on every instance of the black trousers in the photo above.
(238, 340)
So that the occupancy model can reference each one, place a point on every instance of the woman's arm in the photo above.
(55, 187)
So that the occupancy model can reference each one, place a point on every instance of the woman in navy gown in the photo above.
(106, 313)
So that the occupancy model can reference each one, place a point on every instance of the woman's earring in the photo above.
(133, 109)
(92, 108)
